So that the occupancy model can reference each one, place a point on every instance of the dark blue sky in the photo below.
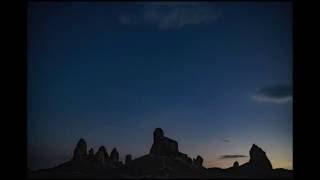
(204, 72)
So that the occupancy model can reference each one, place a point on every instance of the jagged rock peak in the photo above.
(80, 151)
(101, 155)
(158, 134)
(254, 148)
(91, 152)
(258, 158)
(198, 161)
(114, 155)
(162, 145)
(236, 164)
(128, 159)
(103, 149)
(185, 157)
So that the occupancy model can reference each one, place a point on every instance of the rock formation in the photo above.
(198, 161)
(162, 145)
(258, 158)
(257, 166)
(128, 159)
(166, 147)
(91, 154)
(101, 155)
(80, 152)
(185, 157)
(163, 161)
(235, 164)
(114, 155)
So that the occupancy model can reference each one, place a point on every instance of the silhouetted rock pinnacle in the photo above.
(114, 155)
(162, 145)
(258, 165)
(101, 155)
(91, 154)
(235, 164)
(128, 159)
(80, 152)
(258, 158)
(198, 161)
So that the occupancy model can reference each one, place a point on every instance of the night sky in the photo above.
(216, 77)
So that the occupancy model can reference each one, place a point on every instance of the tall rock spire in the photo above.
(80, 152)
(101, 155)
(258, 158)
(114, 155)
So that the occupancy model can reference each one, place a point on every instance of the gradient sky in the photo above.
(216, 77)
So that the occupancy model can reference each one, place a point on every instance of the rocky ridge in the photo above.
(164, 160)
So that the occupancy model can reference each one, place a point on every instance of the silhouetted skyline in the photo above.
(216, 76)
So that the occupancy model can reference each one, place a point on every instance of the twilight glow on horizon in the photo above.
(216, 77)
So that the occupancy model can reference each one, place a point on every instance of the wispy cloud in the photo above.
(172, 15)
(226, 140)
(232, 156)
(274, 94)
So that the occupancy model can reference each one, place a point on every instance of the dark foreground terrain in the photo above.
(164, 161)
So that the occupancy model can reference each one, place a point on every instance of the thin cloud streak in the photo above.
(274, 94)
(226, 140)
(233, 156)
(172, 15)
